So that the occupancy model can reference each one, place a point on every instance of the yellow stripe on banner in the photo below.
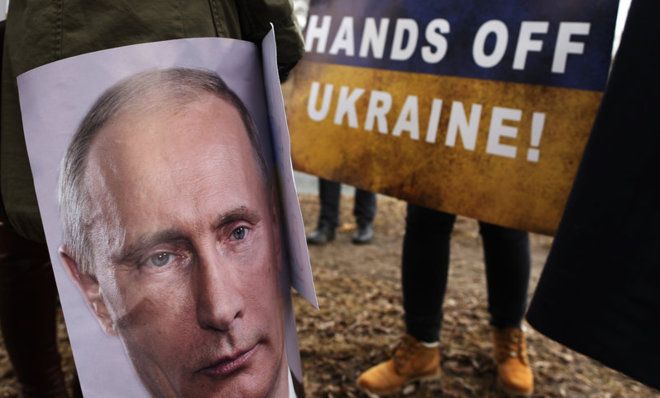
(501, 152)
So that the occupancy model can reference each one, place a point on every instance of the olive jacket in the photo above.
(42, 31)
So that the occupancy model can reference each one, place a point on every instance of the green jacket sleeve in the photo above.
(255, 19)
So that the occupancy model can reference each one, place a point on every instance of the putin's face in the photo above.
(187, 252)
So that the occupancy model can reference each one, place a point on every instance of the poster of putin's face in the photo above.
(169, 217)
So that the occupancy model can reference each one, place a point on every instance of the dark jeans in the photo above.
(28, 304)
(426, 263)
(364, 208)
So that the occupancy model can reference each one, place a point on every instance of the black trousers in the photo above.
(364, 208)
(28, 304)
(425, 267)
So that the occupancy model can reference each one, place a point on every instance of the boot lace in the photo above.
(510, 343)
(404, 351)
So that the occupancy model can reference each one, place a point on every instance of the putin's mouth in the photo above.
(226, 365)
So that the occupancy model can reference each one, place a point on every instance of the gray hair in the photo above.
(177, 86)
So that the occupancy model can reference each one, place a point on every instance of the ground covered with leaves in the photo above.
(360, 319)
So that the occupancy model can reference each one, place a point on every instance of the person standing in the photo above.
(425, 265)
(39, 32)
(364, 210)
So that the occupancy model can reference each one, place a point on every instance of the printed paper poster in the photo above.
(164, 182)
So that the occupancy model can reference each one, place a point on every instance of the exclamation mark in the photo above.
(538, 120)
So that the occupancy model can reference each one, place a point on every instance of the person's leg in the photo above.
(28, 300)
(425, 264)
(364, 210)
(424, 268)
(329, 195)
(507, 258)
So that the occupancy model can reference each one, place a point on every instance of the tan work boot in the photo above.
(411, 361)
(513, 371)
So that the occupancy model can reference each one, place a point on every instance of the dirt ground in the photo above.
(360, 319)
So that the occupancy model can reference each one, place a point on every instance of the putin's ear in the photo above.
(89, 286)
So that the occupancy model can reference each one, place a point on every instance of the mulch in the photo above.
(360, 320)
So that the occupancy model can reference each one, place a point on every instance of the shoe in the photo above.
(411, 361)
(364, 234)
(321, 235)
(514, 373)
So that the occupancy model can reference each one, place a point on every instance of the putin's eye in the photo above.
(161, 259)
(239, 233)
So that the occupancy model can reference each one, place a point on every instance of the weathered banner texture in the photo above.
(470, 107)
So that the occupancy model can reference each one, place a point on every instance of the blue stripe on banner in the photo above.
(556, 32)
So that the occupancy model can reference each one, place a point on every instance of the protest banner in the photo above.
(164, 181)
(479, 109)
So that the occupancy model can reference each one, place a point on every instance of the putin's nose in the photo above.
(219, 301)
